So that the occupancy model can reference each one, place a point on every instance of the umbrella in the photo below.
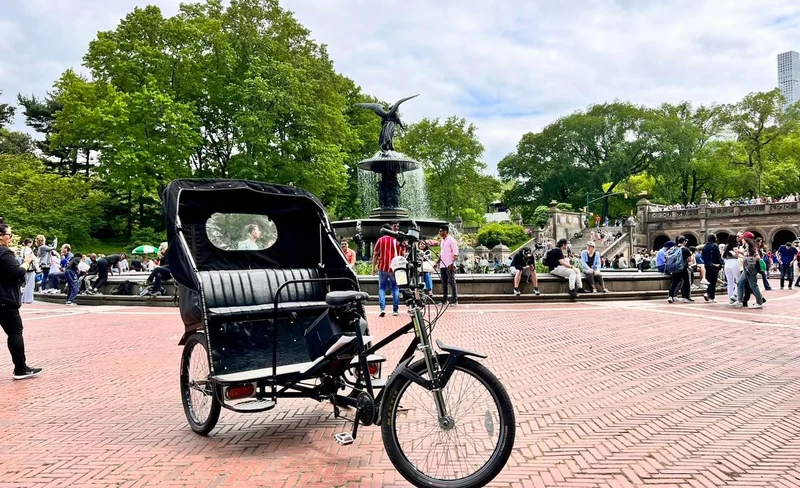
(145, 250)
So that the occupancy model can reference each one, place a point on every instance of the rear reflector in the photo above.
(236, 392)
(374, 369)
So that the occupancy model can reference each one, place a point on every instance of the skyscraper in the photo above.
(789, 76)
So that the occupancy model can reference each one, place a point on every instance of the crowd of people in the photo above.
(50, 267)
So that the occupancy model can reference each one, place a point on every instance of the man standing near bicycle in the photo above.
(448, 255)
(386, 248)
(11, 273)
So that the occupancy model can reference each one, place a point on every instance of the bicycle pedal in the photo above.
(344, 438)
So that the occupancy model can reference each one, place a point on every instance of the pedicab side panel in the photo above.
(305, 241)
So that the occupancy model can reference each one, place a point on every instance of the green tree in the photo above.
(758, 122)
(451, 152)
(39, 202)
(492, 234)
(239, 91)
(12, 142)
(592, 151)
(40, 115)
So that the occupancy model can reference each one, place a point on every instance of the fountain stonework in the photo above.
(389, 164)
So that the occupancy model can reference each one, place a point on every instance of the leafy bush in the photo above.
(540, 216)
(567, 207)
(147, 236)
(512, 235)
(363, 268)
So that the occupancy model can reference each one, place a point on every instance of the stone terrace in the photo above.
(606, 394)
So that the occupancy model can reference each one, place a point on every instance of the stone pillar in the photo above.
(554, 219)
(630, 228)
(703, 218)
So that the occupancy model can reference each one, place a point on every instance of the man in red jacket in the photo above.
(10, 299)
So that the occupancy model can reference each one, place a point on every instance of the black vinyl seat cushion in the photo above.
(251, 292)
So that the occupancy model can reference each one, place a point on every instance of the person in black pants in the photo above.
(103, 265)
(161, 272)
(10, 300)
(682, 275)
(713, 263)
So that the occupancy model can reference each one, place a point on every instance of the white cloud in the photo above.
(509, 67)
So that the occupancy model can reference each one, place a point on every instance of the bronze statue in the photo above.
(389, 118)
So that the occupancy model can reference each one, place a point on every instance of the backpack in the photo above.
(125, 288)
(673, 261)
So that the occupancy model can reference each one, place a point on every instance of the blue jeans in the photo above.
(385, 278)
(428, 281)
(72, 285)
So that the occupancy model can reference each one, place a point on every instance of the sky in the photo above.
(509, 67)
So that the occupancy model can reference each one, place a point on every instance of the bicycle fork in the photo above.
(446, 422)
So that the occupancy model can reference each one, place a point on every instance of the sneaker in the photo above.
(705, 297)
(670, 300)
(395, 313)
(737, 305)
(573, 294)
(606, 290)
(687, 300)
(382, 314)
(454, 303)
(782, 288)
(517, 292)
(713, 300)
(756, 306)
(537, 292)
(704, 282)
(71, 304)
(30, 373)
(695, 287)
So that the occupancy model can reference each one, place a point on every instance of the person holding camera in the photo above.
(11, 276)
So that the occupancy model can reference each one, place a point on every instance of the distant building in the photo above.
(789, 76)
(497, 212)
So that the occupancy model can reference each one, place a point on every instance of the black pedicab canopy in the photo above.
(301, 234)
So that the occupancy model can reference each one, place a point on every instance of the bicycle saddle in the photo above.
(340, 298)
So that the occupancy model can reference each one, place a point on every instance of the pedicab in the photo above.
(272, 310)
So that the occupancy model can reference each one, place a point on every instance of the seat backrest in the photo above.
(258, 286)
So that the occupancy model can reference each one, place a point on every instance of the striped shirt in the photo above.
(386, 249)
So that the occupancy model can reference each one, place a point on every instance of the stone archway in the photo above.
(722, 235)
(782, 236)
(659, 241)
(691, 239)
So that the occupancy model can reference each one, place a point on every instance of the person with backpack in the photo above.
(560, 266)
(11, 274)
(661, 256)
(71, 272)
(713, 264)
(677, 262)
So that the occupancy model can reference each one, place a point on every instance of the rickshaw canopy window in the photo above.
(296, 219)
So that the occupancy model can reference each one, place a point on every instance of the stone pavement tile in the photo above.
(606, 394)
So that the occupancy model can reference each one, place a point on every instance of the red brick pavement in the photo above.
(606, 394)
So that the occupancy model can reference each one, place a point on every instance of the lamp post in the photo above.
(604, 196)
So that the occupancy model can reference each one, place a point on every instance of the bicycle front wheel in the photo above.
(471, 450)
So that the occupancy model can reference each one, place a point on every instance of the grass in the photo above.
(105, 247)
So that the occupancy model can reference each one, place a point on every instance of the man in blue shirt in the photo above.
(786, 254)
(661, 256)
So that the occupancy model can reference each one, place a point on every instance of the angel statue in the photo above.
(389, 118)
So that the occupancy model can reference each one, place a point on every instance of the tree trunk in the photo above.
(130, 214)
(87, 162)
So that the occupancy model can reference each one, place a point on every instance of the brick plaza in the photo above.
(606, 394)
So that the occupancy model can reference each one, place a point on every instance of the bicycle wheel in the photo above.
(469, 453)
(200, 404)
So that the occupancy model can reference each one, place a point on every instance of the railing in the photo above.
(615, 246)
(733, 210)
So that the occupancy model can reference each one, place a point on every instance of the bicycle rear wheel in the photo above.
(200, 403)
(470, 452)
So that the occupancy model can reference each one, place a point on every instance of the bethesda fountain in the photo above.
(389, 165)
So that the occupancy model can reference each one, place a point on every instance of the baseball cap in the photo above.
(669, 244)
(748, 235)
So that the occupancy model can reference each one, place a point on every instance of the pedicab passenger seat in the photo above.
(250, 293)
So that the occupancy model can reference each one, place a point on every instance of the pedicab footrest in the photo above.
(254, 405)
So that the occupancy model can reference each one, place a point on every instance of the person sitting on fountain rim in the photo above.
(522, 259)
(590, 260)
(560, 266)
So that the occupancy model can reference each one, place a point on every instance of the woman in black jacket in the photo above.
(11, 275)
